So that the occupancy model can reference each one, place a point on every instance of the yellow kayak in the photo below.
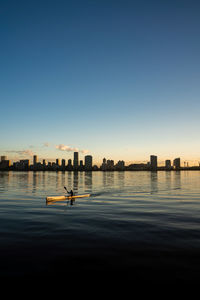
(57, 198)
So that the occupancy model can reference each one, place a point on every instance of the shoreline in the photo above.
(89, 171)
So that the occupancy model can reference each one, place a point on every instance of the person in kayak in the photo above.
(71, 192)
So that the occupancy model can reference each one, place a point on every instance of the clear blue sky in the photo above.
(117, 78)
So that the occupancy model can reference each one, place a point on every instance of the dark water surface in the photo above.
(138, 223)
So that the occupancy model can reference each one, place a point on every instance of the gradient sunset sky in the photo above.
(114, 79)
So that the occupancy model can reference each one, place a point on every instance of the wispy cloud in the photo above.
(63, 147)
(46, 144)
(27, 152)
(84, 151)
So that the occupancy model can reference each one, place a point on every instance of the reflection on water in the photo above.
(121, 179)
(177, 180)
(154, 182)
(88, 182)
(35, 181)
(4, 180)
(93, 182)
(75, 181)
(108, 179)
(131, 219)
(69, 181)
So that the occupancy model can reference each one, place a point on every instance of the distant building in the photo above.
(104, 164)
(110, 164)
(137, 167)
(107, 165)
(69, 165)
(95, 168)
(177, 163)
(3, 157)
(75, 164)
(23, 164)
(153, 162)
(120, 165)
(88, 162)
(58, 162)
(168, 164)
(5, 164)
(63, 164)
(35, 160)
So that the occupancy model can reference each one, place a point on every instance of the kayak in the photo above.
(57, 198)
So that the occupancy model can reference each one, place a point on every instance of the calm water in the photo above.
(142, 222)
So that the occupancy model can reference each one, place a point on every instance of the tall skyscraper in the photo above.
(104, 165)
(153, 162)
(69, 165)
(35, 160)
(63, 164)
(168, 164)
(88, 162)
(177, 163)
(75, 160)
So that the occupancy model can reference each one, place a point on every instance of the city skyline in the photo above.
(66, 152)
(112, 78)
(76, 164)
